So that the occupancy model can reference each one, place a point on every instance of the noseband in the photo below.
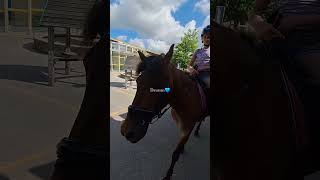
(146, 116)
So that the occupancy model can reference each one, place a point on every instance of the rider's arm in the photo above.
(193, 59)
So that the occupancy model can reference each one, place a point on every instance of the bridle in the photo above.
(147, 115)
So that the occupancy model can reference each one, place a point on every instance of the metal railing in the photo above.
(29, 11)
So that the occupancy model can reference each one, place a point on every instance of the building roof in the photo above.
(121, 42)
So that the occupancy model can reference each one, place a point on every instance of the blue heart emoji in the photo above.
(167, 90)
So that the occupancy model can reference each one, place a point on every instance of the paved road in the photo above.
(150, 158)
(34, 117)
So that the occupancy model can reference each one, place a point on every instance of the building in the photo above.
(20, 14)
(119, 51)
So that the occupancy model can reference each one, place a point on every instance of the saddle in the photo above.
(204, 95)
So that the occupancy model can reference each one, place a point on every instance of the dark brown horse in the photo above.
(259, 131)
(158, 73)
(84, 153)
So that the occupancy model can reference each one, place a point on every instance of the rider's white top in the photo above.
(202, 56)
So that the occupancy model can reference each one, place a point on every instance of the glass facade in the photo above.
(119, 52)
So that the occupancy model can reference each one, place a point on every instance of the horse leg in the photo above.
(179, 149)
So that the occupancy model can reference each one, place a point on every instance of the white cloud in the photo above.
(203, 6)
(150, 19)
(157, 46)
(137, 42)
(190, 25)
(154, 22)
(206, 21)
(122, 38)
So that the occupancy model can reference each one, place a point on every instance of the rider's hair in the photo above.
(205, 31)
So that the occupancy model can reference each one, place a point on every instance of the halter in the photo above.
(147, 115)
(150, 115)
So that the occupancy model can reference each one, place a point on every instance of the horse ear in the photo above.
(169, 54)
(142, 56)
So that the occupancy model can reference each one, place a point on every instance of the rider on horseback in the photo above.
(200, 61)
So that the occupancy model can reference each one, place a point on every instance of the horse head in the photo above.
(151, 96)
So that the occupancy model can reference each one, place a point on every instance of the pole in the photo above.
(30, 16)
(6, 16)
(68, 50)
(51, 63)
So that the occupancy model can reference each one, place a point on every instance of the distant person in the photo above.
(200, 61)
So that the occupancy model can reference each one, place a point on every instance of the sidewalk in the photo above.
(120, 97)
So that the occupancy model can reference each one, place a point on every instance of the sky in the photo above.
(156, 24)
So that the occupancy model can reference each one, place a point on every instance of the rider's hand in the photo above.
(264, 30)
(192, 71)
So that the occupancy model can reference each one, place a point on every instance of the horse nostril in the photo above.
(129, 135)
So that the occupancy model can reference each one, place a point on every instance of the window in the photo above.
(114, 46)
(122, 48)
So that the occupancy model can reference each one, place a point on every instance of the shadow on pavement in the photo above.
(124, 115)
(30, 47)
(117, 84)
(42, 171)
(32, 74)
(3, 177)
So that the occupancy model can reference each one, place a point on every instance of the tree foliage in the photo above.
(187, 46)
(237, 10)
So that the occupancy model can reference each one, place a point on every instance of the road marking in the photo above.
(121, 111)
(118, 118)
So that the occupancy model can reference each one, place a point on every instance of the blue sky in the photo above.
(158, 23)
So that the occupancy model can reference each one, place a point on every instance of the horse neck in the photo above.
(91, 125)
(181, 85)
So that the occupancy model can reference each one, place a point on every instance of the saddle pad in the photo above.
(203, 97)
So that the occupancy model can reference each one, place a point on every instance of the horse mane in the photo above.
(96, 21)
(151, 63)
(257, 45)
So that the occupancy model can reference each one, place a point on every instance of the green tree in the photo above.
(236, 11)
(187, 46)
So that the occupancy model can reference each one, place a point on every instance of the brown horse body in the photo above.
(184, 99)
(257, 133)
